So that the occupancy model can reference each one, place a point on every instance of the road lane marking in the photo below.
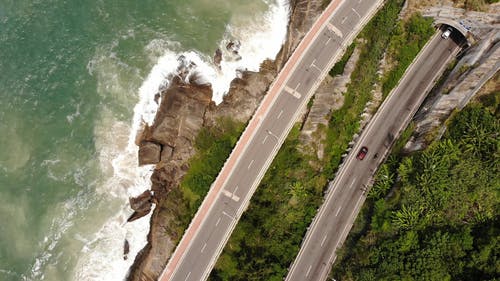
(265, 138)
(293, 92)
(309, 270)
(356, 12)
(338, 211)
(313, 65)
(327, 41)
(352, 183)
(216, 223)
(279, 115)
(187, 277)
(324, 239)
(343, 20)
(231, 195)
(335, 30)
(176, 260)
(228, 215)
(250, 165)
(203, 248)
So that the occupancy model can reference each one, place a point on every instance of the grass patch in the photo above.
(406, 42)
(213, 145)
(268, 237)
(338, 68)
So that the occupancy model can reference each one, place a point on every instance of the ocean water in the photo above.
(77, 78)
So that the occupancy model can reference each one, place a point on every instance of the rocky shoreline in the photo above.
(187, 107)
(184, 109)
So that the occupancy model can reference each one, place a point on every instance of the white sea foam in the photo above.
(260, 38)
(102, 254)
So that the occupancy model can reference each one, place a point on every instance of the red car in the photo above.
(362, 153)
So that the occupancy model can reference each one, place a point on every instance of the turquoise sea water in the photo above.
(75, 79)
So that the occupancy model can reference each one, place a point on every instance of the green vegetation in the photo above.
(408, 38)
(268, 237)
(213, 146)
(338, 69)
(344, 122)
(440, 221)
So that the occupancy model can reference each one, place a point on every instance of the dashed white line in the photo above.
(265, 138)
(324, 239)
(356, 12)
(187, 277)
(228, 215)
(343, 20)
(203, 248)
(338, 211)
(309, 270)
(216, 223)
(350, 186)
(279, 115)
(327, 41)
(250, 165)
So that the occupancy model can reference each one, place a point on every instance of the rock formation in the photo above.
(141, 205)
(126, 249)
(327, 98)
(183, 110)
(149, 153)
(218, 58)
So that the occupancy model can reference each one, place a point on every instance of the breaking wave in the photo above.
(246, 42)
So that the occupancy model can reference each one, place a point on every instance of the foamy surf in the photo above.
(260, 38)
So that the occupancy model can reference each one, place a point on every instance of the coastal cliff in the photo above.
(185, 108)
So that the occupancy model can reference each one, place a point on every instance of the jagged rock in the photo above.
(184, 110)
(234, 48)
(166, 153)
(149, 153)
(141, 204)
(126, 249)
(218, 58)
(180, 114)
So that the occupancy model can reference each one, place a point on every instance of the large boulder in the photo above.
(149, 153)
(141, 204)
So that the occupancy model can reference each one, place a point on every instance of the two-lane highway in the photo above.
(346, 194)
(230, 194)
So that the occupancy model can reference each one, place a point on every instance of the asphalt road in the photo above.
(347, 192)
(229, 196)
